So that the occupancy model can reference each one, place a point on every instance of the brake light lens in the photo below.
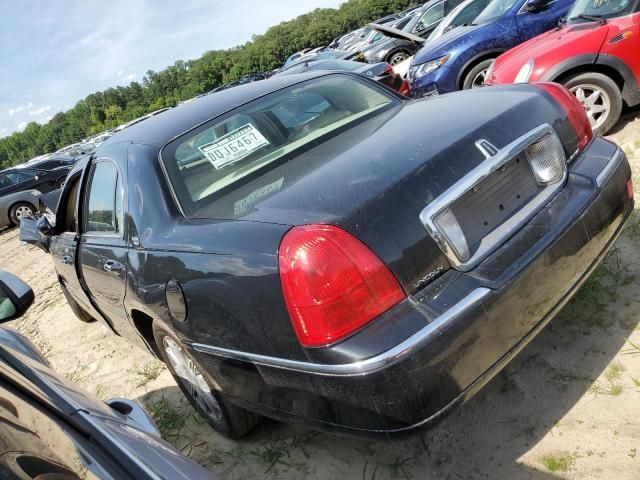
(332, 283)
(574, 110)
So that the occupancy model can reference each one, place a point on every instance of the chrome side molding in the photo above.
(362, 367)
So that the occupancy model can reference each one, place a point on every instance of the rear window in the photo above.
(218, 156)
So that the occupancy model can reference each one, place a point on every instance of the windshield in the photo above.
(495, 10)
(218, 155)
(463, 14)
(601, 8)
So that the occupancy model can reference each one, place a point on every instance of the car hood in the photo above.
(445, 43)
(578, 39)
(395, 33)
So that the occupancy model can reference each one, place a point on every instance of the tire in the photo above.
(80, 313)
(475, 77)
(225, 417)
(19, 210)
(605, 108)
(397, 57)
(60, 182)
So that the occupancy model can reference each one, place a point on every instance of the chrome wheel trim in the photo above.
(596, 103)
(192, 379)
(23, 212)
(478, 80)
(398, 58)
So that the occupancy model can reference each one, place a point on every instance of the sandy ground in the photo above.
(566, 407)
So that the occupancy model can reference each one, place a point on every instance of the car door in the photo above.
(531, 24)
(103, 249)
(63, 247)
(18, 181)
(429, 19)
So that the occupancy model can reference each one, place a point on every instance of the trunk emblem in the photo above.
(486, 148)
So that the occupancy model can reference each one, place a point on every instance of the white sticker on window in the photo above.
(256, 195)
(234, 146)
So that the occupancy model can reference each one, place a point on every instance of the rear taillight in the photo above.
(574, 110)
(332, 283)
(630, 189)
(404, 89)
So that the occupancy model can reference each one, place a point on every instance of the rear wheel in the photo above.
(475, 77)
(398, 57)
(223, 416)
(19, 211)
(60, 182)
(600, 97)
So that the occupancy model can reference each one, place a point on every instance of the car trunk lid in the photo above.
(376, 178)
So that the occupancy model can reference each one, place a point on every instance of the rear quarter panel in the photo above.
(228, 270)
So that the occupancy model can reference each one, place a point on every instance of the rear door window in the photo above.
(104, 206)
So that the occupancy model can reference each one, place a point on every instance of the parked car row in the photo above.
(593, 52)
(22, 186)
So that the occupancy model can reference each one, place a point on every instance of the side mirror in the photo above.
(533, 6)
(45, 226)
(134, 412)
(15, 296)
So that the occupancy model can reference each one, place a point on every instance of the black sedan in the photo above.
(317, 248)
(50, 429)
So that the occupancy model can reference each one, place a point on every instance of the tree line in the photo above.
(186, 79)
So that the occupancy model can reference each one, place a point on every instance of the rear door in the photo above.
(103, 248)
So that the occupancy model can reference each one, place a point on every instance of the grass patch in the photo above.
(561, 462)
(147, 373)
(614, 372)
(76, 376)
(274, 455)
(589, 307)
(612, 390)
(565, 378)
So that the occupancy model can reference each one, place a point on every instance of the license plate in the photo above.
(234, 146)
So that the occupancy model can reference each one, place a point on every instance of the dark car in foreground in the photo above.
(51, 429)
(317, 248)
(460, 58)
(19, 186)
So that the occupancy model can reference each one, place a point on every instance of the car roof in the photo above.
(160, 129)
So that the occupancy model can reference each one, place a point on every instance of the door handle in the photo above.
(67, 259)
(112, 266)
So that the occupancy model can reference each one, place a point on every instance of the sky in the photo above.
(54, 53)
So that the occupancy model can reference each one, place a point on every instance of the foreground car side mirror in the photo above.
(134, 412)
(536, 5)
(45, 226)
(15, 296)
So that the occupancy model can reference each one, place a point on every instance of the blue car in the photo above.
(460, 58)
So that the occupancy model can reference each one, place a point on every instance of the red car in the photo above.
(595, 53)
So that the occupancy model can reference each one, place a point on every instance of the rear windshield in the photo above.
(218, 156)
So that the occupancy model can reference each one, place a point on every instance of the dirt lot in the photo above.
(567, 407)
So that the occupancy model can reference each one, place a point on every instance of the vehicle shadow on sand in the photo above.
(503, 432)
